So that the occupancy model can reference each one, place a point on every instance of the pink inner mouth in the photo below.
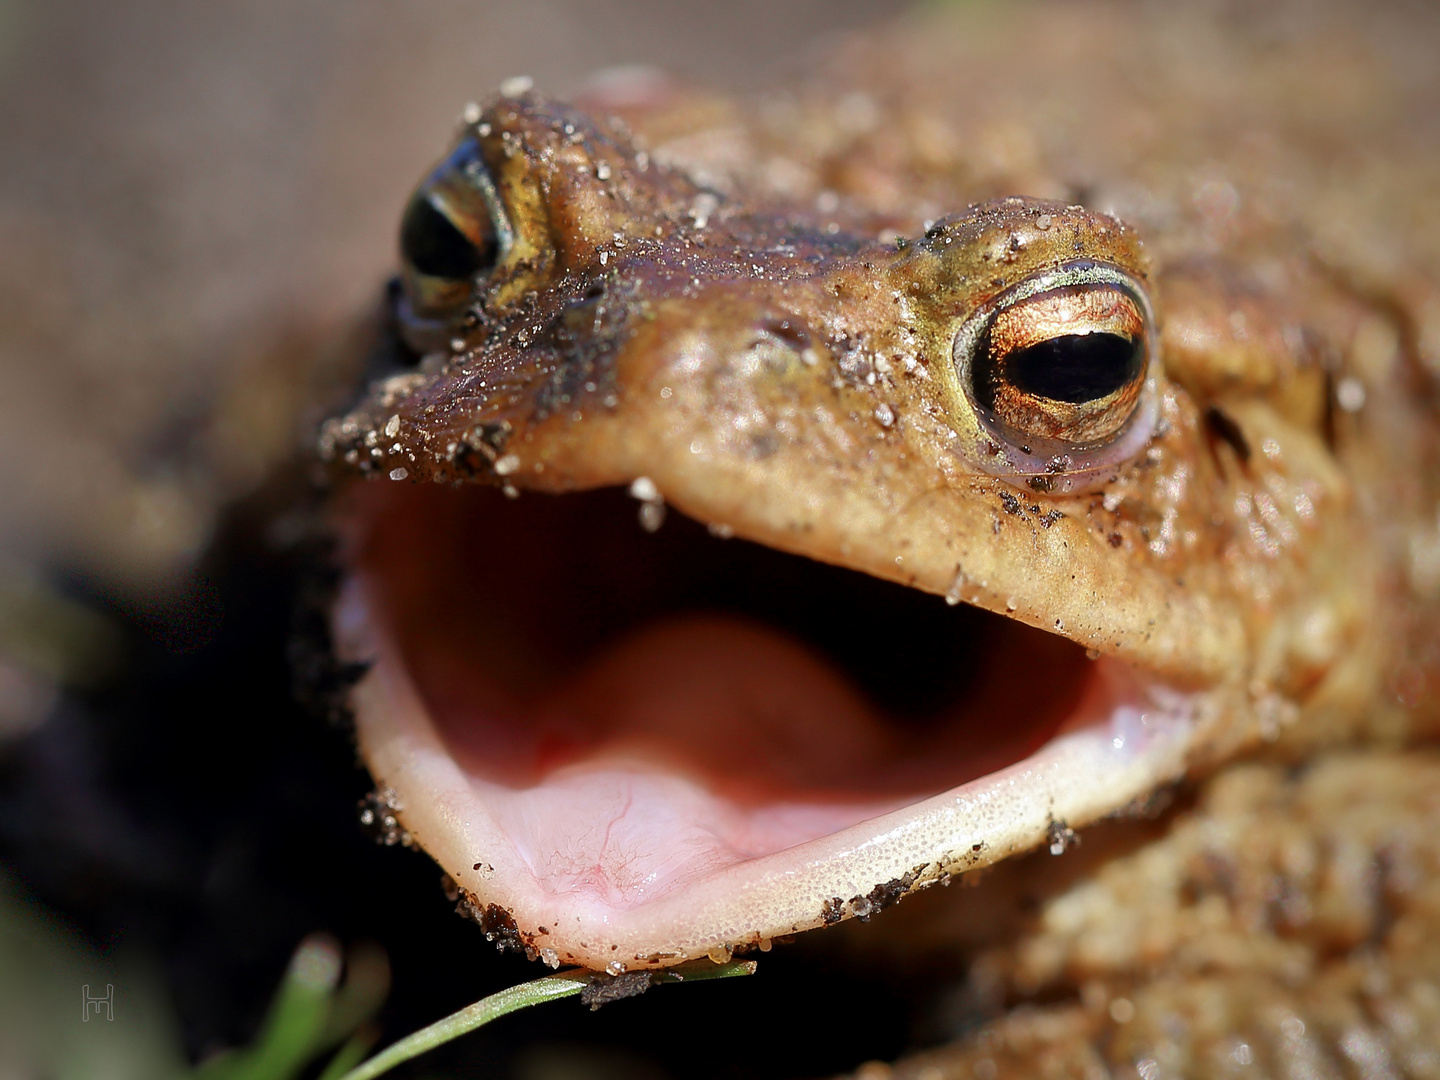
(602, 718)
(547, 632)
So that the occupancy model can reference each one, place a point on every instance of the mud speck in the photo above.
(495, 922)
(882, 896)
(1061, 837)
(377, 818)
(603, 989)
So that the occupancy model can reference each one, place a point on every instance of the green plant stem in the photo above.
(349, 1055)
(563, 984)
(294, 1023)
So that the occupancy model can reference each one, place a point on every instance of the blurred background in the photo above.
(198, 203)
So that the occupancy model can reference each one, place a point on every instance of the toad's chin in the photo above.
(631, 749)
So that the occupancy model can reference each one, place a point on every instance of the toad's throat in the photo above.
(603, 731)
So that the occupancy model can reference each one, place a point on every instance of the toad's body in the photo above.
(779, 322)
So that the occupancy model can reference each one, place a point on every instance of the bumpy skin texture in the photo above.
(1288, 924)
(718, 302)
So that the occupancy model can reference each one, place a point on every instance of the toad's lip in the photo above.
(628, 789)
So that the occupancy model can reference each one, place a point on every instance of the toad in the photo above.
(763, 513)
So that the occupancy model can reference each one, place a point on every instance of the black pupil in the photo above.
(435, 247)
(1075, 367)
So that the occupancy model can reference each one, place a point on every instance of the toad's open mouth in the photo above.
(632, 749)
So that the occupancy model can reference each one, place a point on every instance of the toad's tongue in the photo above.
(707, 782)
(745, 710)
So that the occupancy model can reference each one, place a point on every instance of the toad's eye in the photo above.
(1060, 376)
(1057, 372)
(453, 231)
(1066, 365)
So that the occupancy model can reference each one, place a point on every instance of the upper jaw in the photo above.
(811, 410)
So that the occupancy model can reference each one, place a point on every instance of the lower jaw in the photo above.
(703, 783)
